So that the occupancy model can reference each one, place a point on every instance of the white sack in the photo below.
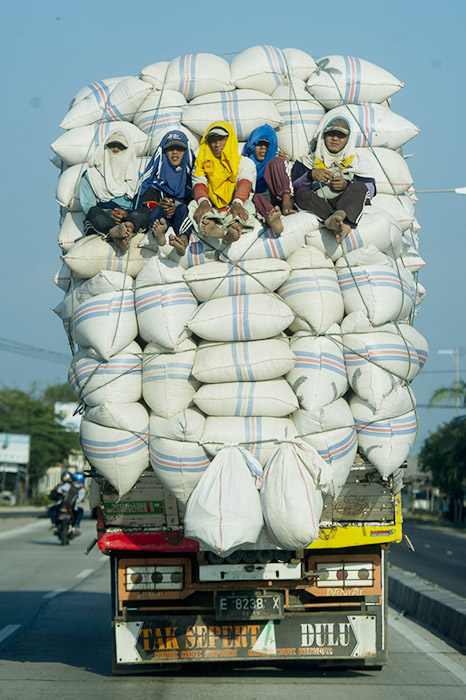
(160, 109)
(100, 88)
(219, 279)
(224, 511)
(259, 435)
(178, 464)
(401, 207)
(167, 382)
(187, 426)
(155, 74)
(319, 374)
(245, 110)
(392, 174)
(120, 104)
(300, 114)
(242, 317)
(198, 73)
(163, 311)
(91, 254)
(338, 80)
(272, 397)
(300, 64)
(291, 495)
(118, 380)
(71, 230)
(261, 68)
(120, 454)
(256, 360)
(67, 187)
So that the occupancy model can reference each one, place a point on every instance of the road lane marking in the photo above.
(449, 552)
(427, 546)
(426, 647)
(8, 534)
(6, 631)
(85, 573)
(52, 594)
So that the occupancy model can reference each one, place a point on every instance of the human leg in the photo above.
(308, 200)
(98, 221)
(279, 184)
(352, 201)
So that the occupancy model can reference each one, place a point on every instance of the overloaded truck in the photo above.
(247, 405)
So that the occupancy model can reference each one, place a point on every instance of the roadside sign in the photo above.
(14, 448)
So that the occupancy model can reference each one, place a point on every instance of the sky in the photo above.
(53, 48)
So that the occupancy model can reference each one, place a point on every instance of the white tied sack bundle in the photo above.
(196, 74)
(386, 435)
(375, 125)
(66, 193)
(376, 227)
(330, 430)
(164, 303)
(174, 451)
(118, 104)
(224, 510)
(273, 397)
(242, 317)
(71, 230)
(155, 74)
(167, 382)
(378, 358)
(100, 88)
(301, 116)
(294, 479)
(118, 380)
(392, 174)
(91, 254)
(261, 68)
(252, 361)
(105, 322)
(245, 110)
(338, 80)
(319, 374)
(372, 282)
(260, 435)
(160, 109)
(312, 293)
(220, 279)
(114, 440)
(400, 206)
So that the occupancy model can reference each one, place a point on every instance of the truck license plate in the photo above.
(249, 606)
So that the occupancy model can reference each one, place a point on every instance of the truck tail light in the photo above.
(150, 578)
(344, 574)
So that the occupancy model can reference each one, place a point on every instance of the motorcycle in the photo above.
(64, 528)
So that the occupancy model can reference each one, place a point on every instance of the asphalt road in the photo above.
(439, 556)
(55, 642)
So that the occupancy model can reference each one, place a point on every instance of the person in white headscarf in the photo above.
(334, 183)
(108, 192)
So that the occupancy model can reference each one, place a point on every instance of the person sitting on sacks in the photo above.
(274, 189)
(336, 183)
(222, 184)
(107, 192)
(167, 188)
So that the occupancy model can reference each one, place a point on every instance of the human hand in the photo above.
(168, 206)
(338, 182)
(202, 209)
(117, 215)
(321, 175)
(237, 209)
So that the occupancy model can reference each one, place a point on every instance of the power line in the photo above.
(18, 348)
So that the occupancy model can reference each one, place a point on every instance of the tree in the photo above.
(50, 442)
(443, 453)
(454, 394)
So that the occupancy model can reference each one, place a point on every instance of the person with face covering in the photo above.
(336, 183)
(166, 189)
(223, 182)
(107, 192)
(274, 189)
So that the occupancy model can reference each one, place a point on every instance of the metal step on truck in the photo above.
(174, 603)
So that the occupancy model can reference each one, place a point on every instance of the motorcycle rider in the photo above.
(55, 495)
(72, 492)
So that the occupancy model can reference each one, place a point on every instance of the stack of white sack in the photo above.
(245, 353)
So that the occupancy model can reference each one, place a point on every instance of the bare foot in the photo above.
(336, 222)
(159, 229)
(233, 233)
(210, 228)
(121, 234)
(287, 205)
(180, 243)
(273, 219)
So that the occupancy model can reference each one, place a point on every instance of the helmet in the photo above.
(67, 476)
(79, 477)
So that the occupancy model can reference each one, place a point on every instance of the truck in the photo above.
(172, 602)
